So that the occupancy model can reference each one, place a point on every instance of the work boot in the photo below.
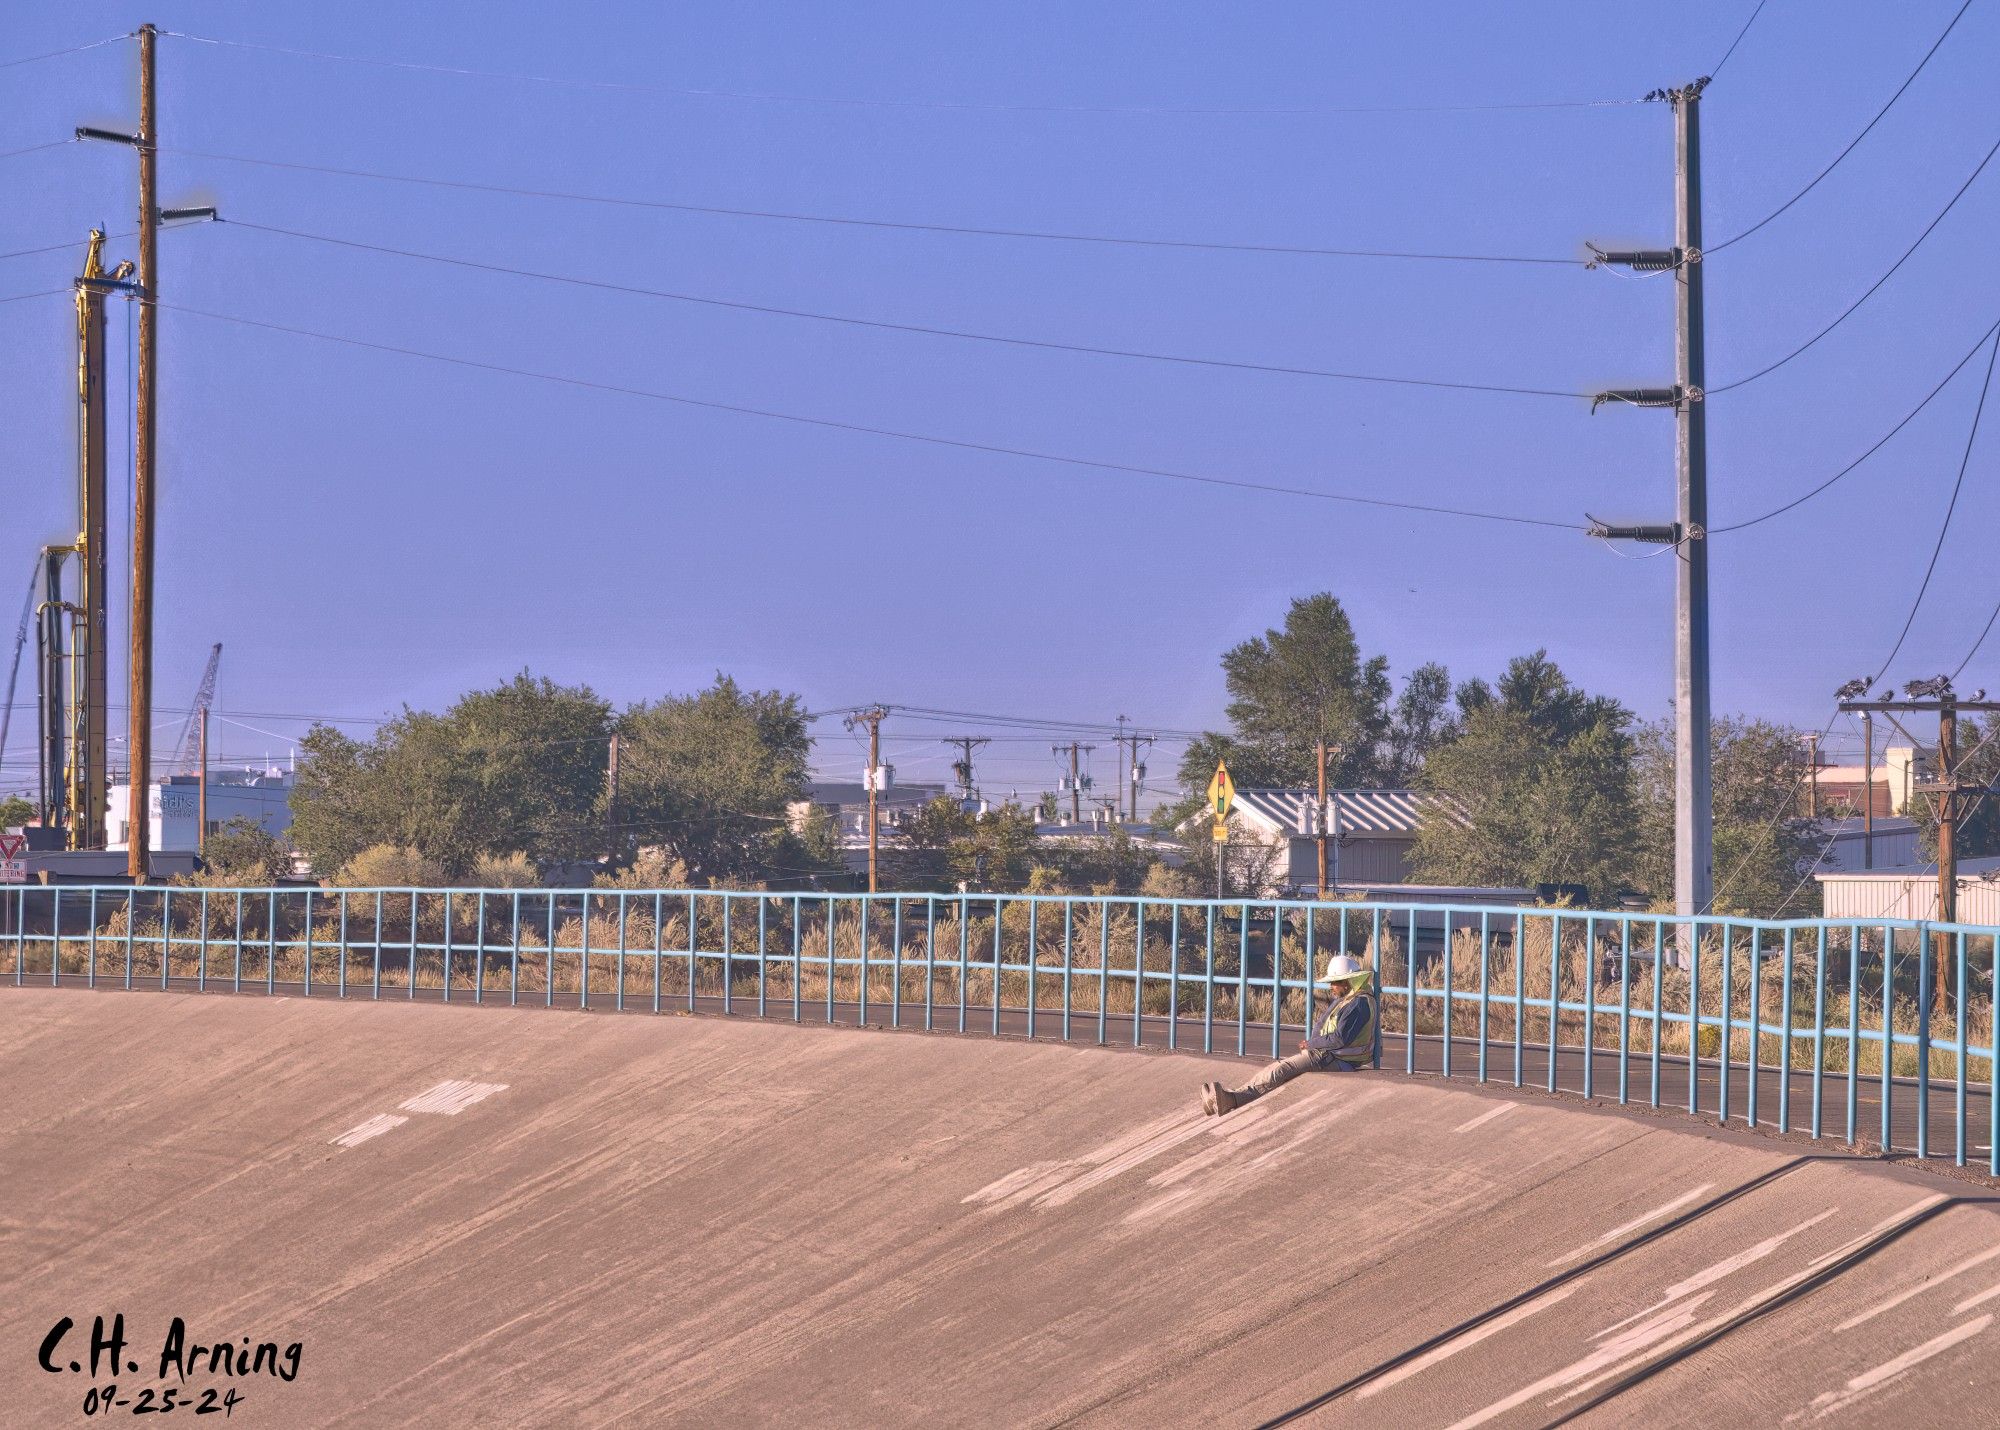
(1211, 1096)
(1227, 1100)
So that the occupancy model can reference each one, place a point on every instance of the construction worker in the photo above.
(1346, 1039)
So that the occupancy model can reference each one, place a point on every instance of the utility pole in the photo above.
(145, 453)
(611, 837)
(1075, 777)
(201, 792)
(962, 766)
(88, 732)
(1812, 777)
(1694, 830)
(872, 718)
(1867, 789)
(145, 449)
(1933, 696)
(1119, 740)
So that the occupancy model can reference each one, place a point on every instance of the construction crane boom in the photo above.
(187, 757)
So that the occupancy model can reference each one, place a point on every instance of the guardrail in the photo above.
(1852, 1028)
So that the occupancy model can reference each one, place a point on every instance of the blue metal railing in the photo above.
(1877, 1031)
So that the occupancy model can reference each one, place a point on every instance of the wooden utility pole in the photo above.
(962, 766)
(1075, 749)
(139, 737)
(1934, 696)
(1867, 790)
(872, 718)
(1812, 777)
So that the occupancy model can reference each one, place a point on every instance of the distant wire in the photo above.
(1045, 344)
(1739, 38)
(57, 54)
(36, 148)
(1950, 508)
(1908, 418)
(1718, 247)
(23, 297)
(1163, 110)
(891, 224)
(872, 431)
(1984, 631)
(1849, 310)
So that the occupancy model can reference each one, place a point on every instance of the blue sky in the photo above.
(361, 529)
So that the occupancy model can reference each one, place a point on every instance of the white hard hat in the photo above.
(1343, 968)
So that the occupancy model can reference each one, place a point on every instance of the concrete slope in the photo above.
(533, 1217)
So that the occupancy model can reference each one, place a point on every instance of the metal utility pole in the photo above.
(872, 718)
(962, 766)
(139, 736)
(201, 793)
(610, 799)
(1075, 777)
(1319, 822)
(1694, 831)
(88, 726)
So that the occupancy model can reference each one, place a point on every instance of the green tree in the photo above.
(242, 852)
(16, 811)
(1422, 720)
(1764, 846)
(515, 769)
(943, 846)
(710, 777)
(1976, 765)
(1538, 787)
(1290, 689)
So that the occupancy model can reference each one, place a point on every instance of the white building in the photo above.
(1912, 893)
(262, 796)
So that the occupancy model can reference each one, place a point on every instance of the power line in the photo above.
(864, 429)
(1883, 441)
(58, 54)
(1718, 247)
(1044, 344)
(23, 297)
(1950, 508)
(1849, 310)
(1305, 111)
(844, 222)
(36, 148)
(1739, 38)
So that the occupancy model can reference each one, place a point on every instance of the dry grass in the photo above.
(1092, 956)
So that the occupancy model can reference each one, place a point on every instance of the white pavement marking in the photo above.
(1638, 1338)
(1981, 1299)
(1922, 1286)
(1720, 1271)
(452, 1098)
(1485, 1117)
(1633, 1225)
(1872, 1380)
(1881, 1226)
(374, 1127)
(1760, 1301)
(1470, 1338)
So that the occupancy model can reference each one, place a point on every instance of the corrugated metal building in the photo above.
(1375, 831)
(1911, 893)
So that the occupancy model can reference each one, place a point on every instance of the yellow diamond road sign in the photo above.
(1221, 796)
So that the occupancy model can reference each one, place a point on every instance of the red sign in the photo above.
(11, 846)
